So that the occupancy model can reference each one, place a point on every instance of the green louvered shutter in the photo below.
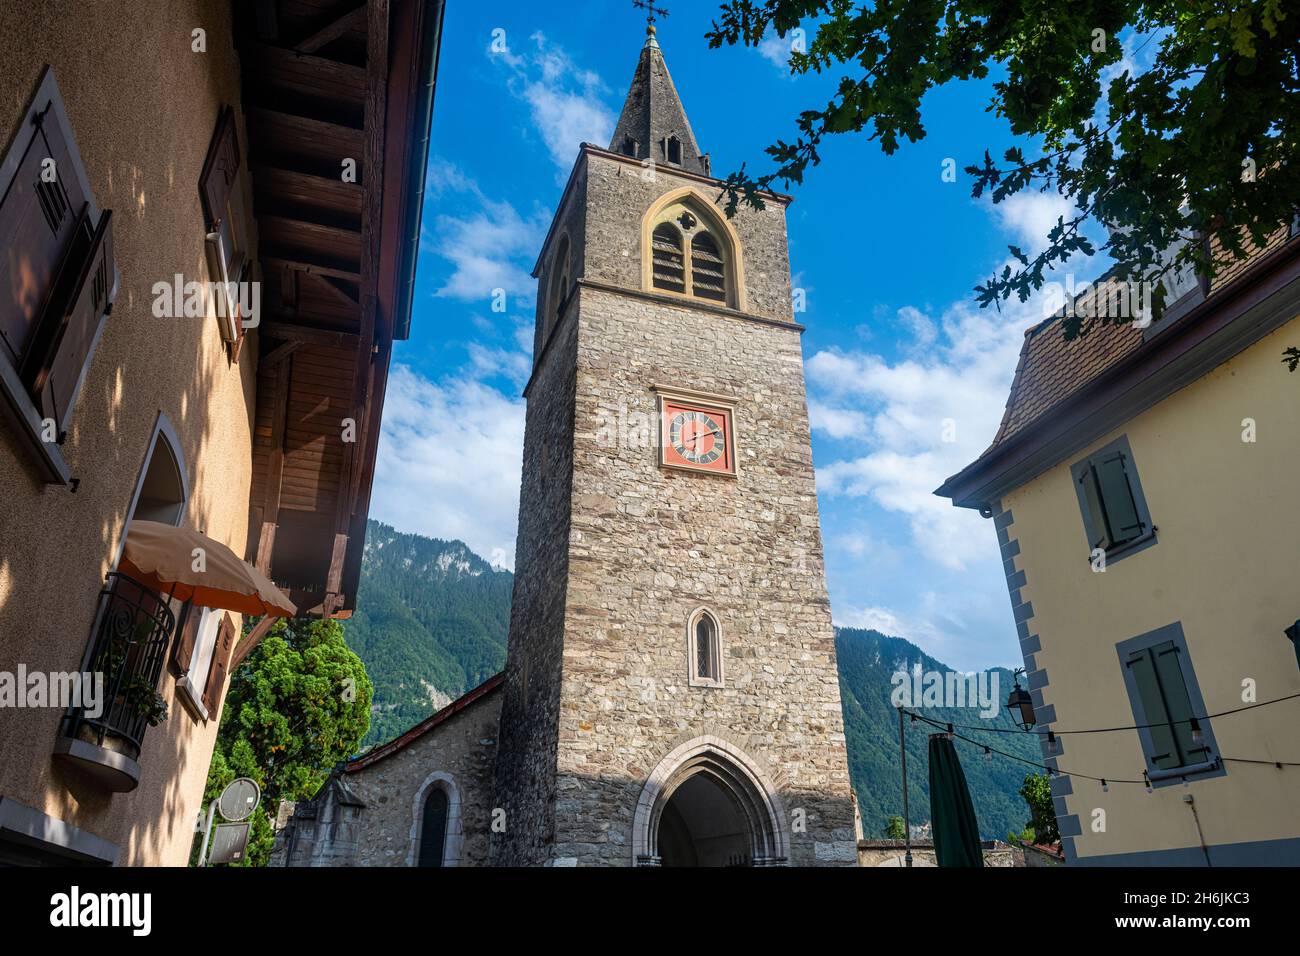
(1154, 712)
(1098, 536)
(1121, 510)
(1169, 672)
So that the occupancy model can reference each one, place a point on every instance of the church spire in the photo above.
(653, 124)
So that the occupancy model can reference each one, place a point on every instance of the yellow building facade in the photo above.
(1143, 486)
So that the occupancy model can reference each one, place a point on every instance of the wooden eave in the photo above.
(332, 95)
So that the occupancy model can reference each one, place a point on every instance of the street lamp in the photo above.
(1020, 703)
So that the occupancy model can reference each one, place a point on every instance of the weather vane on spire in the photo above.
(652, 12)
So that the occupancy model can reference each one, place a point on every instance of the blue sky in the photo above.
(896, 351)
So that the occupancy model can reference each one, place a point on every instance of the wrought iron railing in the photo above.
(133, 627)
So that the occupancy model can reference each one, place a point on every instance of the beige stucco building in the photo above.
(1143, 486)
(147, 147)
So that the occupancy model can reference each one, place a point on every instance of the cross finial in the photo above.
(652, 12)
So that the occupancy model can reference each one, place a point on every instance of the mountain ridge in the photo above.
(432, 621)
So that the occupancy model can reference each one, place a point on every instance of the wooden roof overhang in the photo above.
(338, 98)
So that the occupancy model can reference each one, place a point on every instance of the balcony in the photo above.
(133, 627)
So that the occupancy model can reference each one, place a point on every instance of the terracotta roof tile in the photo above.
(1051, 369)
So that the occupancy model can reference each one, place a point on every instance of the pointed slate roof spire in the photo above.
(654, 124)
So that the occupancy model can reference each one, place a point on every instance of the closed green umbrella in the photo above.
(956, 834)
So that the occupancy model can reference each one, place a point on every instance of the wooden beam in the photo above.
(278, 354)
(376, 122)
(249, 643)
(275, 466)
(315, 268)
(334, 579)
(339, 240)
(309, 335)
(343, 295)
(265, 547)
(332, 31)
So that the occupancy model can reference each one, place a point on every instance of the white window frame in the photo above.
(195, 679)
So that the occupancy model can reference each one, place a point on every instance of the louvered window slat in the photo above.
(669, 266)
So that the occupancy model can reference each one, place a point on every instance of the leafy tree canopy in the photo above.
(1201, 143)
(297, 705)
(1042, 814)
(895, 829)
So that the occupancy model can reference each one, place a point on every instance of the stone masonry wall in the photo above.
(648, 545)
(463, 747)
(525, 775)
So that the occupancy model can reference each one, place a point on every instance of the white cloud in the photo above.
(566, 102)
(927, 414)
(837, 422)
(449, 462)
(490, 244)
(1030, 216)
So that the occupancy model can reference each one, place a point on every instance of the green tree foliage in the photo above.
(895, 828)
(1042, 815)
(1203, 142)
(297, 705)
(431, 616)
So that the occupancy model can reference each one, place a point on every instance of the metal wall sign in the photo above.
(229, 842)
(239, 799)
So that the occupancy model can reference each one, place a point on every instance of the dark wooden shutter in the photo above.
(1154, 711)
(1117, 497)
(219, 169)
(220, 662)
(59, 355)
(38, 223)
(186, 633)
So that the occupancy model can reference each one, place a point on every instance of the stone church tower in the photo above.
(671, 694)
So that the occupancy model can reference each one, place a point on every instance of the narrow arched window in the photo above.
(708, 269)
(669, 263)
(433, 828)
(674, 150)
(705, 649)
(629, 146)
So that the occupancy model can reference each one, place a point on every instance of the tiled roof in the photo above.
(1052, 369)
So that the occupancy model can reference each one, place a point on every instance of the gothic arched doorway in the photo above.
(707, 804)
(701, 825)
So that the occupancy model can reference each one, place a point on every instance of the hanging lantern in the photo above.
(1021, 704)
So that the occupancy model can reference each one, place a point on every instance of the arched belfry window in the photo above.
(705, 648)
(693, 252)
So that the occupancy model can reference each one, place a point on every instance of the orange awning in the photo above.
(192, 567)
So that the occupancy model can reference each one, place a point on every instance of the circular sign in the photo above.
(239, 799)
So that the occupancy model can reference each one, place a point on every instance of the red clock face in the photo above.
(697, 437)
